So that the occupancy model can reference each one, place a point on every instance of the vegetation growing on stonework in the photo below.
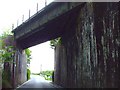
(55, 42)
(6, 57)
(7, 52)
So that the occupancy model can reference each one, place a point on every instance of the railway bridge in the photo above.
(88, 55)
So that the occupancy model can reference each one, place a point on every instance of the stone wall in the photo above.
(89, 54)
(23, 67)
(20, 67)
(60, 73)
(15, 65)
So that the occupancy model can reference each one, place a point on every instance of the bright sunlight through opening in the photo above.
(42, 58)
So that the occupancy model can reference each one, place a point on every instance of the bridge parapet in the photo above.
(45, 15)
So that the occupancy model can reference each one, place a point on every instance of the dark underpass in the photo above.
(87, 55)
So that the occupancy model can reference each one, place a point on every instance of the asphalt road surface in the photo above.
(37, 82)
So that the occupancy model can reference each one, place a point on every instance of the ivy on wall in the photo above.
(7, 52)
(6, 57)
(55, 42)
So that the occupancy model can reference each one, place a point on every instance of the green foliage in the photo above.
(47, 74)
(6, 56)
(28, 53)
(6, 34)
(6, 51)
(28, 74)
(35, 73)
(55, 42)
(6, 79)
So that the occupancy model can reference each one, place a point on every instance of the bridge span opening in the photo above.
(42, 60)
(88, 56)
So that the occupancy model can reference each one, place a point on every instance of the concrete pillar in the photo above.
(20, 67)
(91, 48)
(23, 67)
(60, 73)
(57, 66)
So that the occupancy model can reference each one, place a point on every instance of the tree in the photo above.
(28, 53)
(6, 58)
(7, 52)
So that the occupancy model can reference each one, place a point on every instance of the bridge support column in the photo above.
(60, 66)
(20, 67)
(90, 48)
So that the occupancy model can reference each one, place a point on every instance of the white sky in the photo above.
(43, 57)
(12, 11)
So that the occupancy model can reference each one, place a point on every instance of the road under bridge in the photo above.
(88, 55)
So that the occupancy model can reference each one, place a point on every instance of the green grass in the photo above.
(47, 75)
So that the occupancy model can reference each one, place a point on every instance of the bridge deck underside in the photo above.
(51, 30)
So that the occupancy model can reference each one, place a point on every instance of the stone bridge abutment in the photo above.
(88, 56)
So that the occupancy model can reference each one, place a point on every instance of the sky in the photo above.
(11, 12)
(43, 57)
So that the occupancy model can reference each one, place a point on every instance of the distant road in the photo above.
(37, 81)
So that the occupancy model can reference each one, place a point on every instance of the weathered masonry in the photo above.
(45, 25)
(88, 56)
